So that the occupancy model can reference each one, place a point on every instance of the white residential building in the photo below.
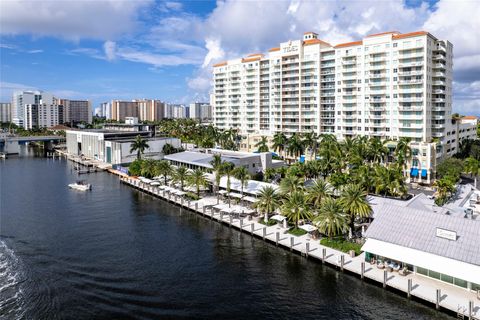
(44, 114)
(19, 100)
(200, 111)
(388, 85)
(5, 112)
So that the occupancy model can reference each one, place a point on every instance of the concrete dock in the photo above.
(445, 297)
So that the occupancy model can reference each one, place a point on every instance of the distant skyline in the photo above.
(104, 50)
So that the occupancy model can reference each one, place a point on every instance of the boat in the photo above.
(3, 155)
(80, 185)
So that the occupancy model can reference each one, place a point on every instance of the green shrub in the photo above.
(341, 244)
(269, 223)
(297, 231)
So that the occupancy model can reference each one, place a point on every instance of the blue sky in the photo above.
(103, 50)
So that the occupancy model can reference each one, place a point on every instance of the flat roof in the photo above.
(417, 229)
(197, 158)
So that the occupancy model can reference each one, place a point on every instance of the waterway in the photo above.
(115, 253)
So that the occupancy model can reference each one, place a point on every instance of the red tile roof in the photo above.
(220, 64)
(349, 44)
(315, 41)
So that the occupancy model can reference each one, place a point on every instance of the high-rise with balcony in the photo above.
(388, 85)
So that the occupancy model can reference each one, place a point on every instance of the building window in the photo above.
(395, 44)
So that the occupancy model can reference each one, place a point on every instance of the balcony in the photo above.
(410, 64)
(377, 83)
(438, 100)
(439, 66)
(439, 74)
(408, 125)
(410, 73)
(377, 116)
(410, 99)
(403, 108)
(439, 57)
(378, 75)
(378, 67)
(439, 91)
(349, 62)
(412, 81)
(438, 125)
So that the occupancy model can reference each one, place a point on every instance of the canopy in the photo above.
(424, 173)
(278, 217)
(250, 199)
(222, 191)
(155, 183)
(235, 195)
(414, 172)
(307, 227)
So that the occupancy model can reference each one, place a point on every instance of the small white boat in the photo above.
(3, 156)
(80, 185)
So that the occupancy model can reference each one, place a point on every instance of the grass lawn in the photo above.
(341, 245)
(297, 231)
(269, 223)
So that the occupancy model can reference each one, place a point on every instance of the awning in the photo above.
(222, 192)
(450, 267)
(307, 227)
(235, 195)
(414, 172)
(278, 217)
(424, 173)
(155, 183)
(250, 199)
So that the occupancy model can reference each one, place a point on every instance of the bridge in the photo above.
(11, 144)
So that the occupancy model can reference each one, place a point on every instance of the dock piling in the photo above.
(362, 269)
(324, 254)
(437, 304)
(277, 237)
(342, 261)
(264, 232)
(385, 274)
(307, 248)
(241, 225)
(409, 288)
(230, 224)
(196, 206)
(292, 240)
(470, 310)
(203, 210)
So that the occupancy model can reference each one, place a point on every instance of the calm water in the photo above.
(115, 253)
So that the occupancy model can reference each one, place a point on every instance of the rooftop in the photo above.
(417, 229)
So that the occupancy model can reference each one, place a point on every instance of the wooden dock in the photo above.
(445, 297)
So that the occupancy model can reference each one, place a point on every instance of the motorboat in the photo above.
(80, 185)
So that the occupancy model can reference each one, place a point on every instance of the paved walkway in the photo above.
(451, 297)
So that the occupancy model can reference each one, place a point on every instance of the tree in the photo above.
(389, 180)
(403, 151)
(267, 201)
(168, 149)
(242, 174)
(139, 145)
(217, 165)
(318, 191)
(262, 145)
(310, 141)
(269, 174)
(279, 142)
(181, 175)
(135, 168)
(331, 220)
(444, 187)
(198, 179)
(165, 169)
(295, 146)
(295, 207)
(228, 168)
(148, 168)
(354, 203)
(450, 167)
(472, 166)
(376, 149)
(290, 184)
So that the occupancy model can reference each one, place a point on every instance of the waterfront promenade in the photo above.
(443, 296)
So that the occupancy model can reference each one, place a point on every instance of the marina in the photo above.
(455, 300)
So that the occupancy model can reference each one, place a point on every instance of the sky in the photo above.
(103, 50)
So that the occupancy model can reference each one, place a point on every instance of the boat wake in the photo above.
(11, 294)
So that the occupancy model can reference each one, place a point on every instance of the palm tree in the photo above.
(295, 207)
(217, 165)
(354, 203)
(290, 184)
(198, 179)
(295, 146)
(168, 149)
(318, 191)
(403, 151)
(311, 142)
(472, 166)
(181, 175)
(330, 219)
(268, 200)
(148, 168)
(279, 142)
(165, 169)
(242, 174)
(227, 169)
(376, 149)
(139, 145)
(262, 145)
(269, 174)
(390, 180)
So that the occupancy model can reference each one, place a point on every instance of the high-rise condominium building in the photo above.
(176, 111)
(19, 100)
(201, 111)
(388, 85)
(45, 113)
(144, 110)
(76, 111)
(5, 112)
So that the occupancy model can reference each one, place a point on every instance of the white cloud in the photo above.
(109, 47)
(71, 19)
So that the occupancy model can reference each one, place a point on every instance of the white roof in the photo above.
(307, 227)
(252, 187)
(250, 199)
(278, 217)
(451, 267)
(235, 195)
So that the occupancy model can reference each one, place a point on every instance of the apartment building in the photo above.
(5, 112)
(388, 85)
(144, 110)
(200, 111)
(176, 111)
(45, 113)
(76, 111)
(19, 100)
